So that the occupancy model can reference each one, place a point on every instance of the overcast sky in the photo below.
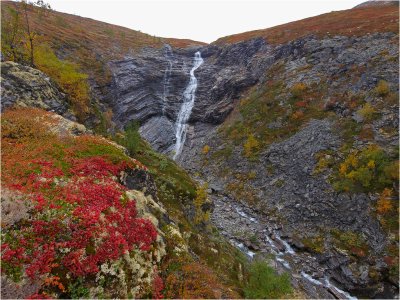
(205, 20)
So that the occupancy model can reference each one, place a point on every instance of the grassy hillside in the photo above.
(73, 31)
(352, 22)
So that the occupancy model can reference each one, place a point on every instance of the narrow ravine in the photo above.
(235, 220)
(187, 106)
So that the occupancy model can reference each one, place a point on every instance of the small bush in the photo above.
(370, 169)
(315, 244)
(382, 89)
(132, 137)
(251, 146)
(264, 283)
(297, 115)
(384, 203)
(367, 112)
(206, 149)
(201, 216)
(298, 90)
(195, 281)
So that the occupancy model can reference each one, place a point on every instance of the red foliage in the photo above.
(97, 214)
(158, 286)
(95, 166)
(301, 104)
(81, 217)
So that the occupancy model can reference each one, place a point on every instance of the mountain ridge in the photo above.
(358, 20)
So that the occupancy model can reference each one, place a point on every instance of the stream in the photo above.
(229, 216)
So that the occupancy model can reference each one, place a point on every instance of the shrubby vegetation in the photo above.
(205, 149)
(369, 169)
(251, 146)
(195, 281)
(382, 88)
(202, 216)
(80, 216)
(67, 76)
(264, 283)
(367, 111)
(130, 139)
(23, 44)
(265, 117)
(298, 90)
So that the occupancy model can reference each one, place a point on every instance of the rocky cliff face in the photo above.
(283, 186)
(149, 87)
(23, 86)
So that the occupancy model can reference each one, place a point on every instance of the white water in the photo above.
(280, 257)
(283, 262)
(244, 215)
(328, 284)
(243, 248)
(187, 106)
(288, 248)
(310, 279)
(167, 75)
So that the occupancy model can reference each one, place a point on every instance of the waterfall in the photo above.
(187, 106)
(167, 75)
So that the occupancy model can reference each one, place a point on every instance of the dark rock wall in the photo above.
(301, 203)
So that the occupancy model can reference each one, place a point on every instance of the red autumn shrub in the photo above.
(158, 286)
(81, 216)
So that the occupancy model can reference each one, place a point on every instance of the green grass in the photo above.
(113, 153)
(264, 283)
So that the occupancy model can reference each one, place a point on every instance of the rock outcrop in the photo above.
(23, 86)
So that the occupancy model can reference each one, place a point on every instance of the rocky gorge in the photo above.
(292, 197)
(277, 133)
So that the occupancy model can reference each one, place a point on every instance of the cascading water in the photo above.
(187, 106)
(167, 75)
(286, 256)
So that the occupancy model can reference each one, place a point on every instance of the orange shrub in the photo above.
(206, 149)
(298, 89)
(196, 281)
(384, 203)
(297, 115)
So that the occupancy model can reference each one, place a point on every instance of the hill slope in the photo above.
(72, 31)
(353, 22)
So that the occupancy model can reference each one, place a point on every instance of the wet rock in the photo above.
(297, 244)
